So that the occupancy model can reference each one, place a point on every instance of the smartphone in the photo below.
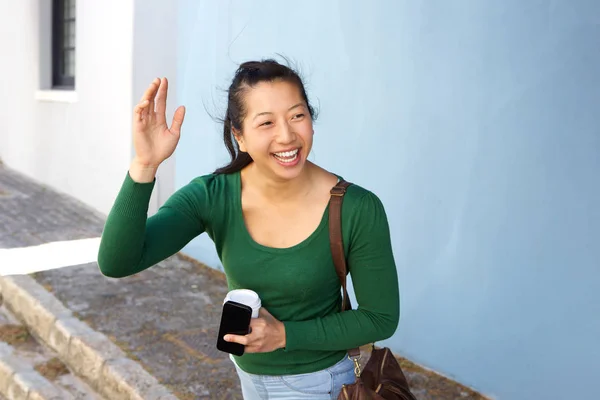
(235, 320)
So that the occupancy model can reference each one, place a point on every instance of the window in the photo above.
(63, 44)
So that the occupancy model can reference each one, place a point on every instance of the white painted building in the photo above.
(78, 139)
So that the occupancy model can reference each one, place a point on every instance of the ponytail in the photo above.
(239, 159)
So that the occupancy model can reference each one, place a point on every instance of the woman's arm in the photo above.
(131, 242)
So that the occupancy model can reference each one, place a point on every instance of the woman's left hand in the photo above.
(266, 334)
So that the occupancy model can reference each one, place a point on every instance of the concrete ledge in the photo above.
(18, 380)
(90, 354)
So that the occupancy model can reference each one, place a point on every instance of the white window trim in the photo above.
(57, 96)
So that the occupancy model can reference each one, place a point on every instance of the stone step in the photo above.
(29, 370)
(91, 355)
(20, 380)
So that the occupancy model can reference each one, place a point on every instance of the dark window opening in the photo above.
(63, 44)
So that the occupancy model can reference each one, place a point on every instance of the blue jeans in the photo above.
(321, 385)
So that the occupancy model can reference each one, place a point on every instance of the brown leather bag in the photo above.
(382, 377)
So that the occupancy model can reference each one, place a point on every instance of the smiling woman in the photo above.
(267, 213)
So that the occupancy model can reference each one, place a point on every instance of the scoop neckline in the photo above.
(277, 250)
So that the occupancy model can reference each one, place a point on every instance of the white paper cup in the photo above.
(247, 297)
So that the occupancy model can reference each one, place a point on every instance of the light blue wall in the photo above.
(477, 123)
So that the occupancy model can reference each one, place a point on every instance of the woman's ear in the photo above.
(239, 139)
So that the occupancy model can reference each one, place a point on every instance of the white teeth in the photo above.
(287, 154)
(286, 160)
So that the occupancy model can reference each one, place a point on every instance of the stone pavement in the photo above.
(165, 317)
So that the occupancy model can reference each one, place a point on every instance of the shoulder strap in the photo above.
(336, 241)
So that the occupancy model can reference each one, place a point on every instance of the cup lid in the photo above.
(244, 296)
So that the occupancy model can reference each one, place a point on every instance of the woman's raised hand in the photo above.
(153, 140)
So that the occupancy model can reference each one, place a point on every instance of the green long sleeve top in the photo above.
(297, 285)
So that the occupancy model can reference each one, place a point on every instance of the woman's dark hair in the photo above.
(247, 76)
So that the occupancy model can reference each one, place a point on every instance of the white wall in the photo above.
(81, 147)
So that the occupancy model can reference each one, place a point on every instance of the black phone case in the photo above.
(235, 320)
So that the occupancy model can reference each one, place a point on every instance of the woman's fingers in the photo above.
(151, 88)
(161, 101)
(139, 109)
(237, 339)
(251, 343)
(178, 120)
(154, 104)
(149, 95)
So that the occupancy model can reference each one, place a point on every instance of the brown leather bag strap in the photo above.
(336, 241)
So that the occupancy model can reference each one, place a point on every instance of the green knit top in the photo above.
(297, 285)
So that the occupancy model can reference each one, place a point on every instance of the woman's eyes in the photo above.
(268, 123)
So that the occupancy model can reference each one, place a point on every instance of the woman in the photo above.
(267, 213)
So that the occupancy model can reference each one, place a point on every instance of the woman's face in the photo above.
(277, 131)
